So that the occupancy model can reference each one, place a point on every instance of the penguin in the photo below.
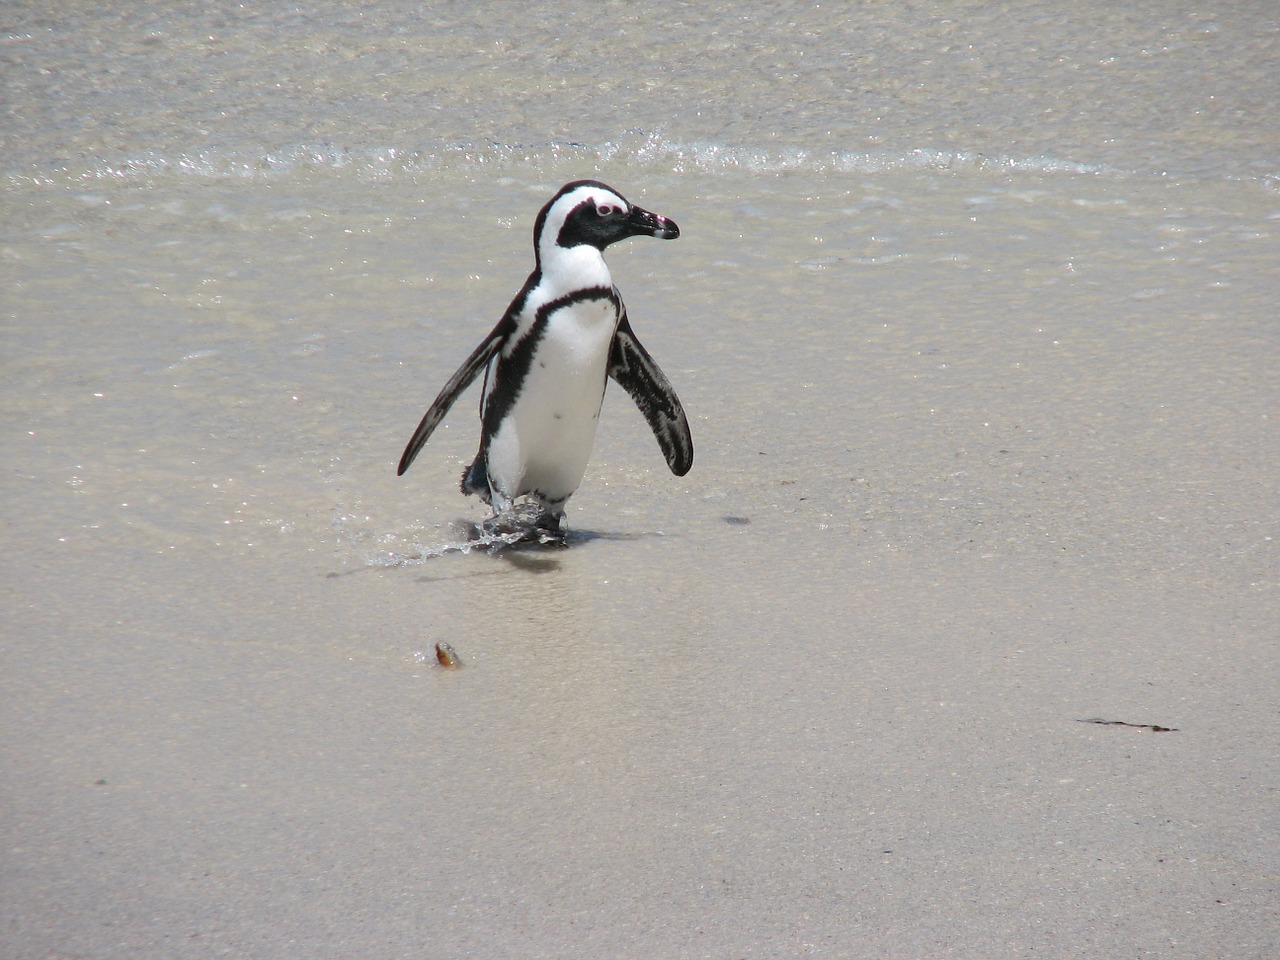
(547, 362)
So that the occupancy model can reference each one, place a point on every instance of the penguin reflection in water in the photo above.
(547, 361)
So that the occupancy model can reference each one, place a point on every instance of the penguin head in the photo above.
(589, 213)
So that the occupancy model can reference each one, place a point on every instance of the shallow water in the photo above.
(973, 313)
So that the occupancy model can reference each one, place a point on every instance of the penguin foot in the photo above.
(523, 523)
(550, 528)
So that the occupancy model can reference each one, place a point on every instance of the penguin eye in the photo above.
(605, 210)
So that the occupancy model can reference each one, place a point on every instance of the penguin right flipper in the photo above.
(459, 382)
(642, 378)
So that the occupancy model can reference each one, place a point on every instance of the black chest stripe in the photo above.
(512, 370)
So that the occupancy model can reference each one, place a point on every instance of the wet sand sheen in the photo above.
(843, 662)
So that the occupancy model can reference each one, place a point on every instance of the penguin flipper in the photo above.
(642, 378)
(452, 390)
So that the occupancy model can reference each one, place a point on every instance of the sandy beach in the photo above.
(959, 639)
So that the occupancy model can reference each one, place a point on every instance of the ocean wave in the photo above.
(644, 151)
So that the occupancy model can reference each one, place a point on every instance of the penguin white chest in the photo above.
(546, 443)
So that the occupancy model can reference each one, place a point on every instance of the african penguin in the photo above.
(547, 361)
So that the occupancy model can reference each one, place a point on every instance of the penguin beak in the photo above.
(651, 225)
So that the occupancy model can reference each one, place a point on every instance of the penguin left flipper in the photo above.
(452, 390)
(642, 378)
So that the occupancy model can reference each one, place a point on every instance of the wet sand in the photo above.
(831, 693)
